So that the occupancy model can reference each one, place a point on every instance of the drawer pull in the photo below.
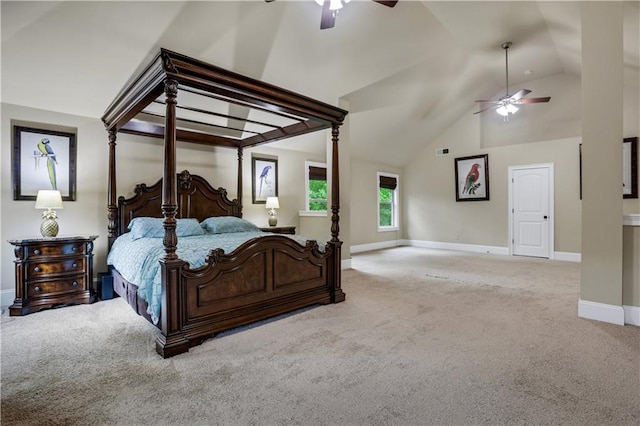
(36, 252)
(75, 284)
(37, 269)
(74, 265)
(37, 289)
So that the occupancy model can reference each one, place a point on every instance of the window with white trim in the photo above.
(387, 202)
(316, 188)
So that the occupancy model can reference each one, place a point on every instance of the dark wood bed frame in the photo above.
(265, 276)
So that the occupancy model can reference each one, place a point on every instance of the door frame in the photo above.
(510, 214)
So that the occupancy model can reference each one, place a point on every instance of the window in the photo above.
(316, 188)
(387, 202)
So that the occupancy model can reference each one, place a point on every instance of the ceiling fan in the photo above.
(330, 9)
(507, 104)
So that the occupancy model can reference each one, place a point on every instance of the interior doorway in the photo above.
(531, 210)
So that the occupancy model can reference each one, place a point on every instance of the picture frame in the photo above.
(630, 168)
(43, 165)
(472, 178)
(264, 179)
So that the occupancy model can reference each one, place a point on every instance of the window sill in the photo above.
(312, 213)
(388, 229)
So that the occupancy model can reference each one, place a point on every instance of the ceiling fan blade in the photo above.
(328, 19)
(520, 94)
(388, 3)
(483, 110)
(488, 102)
(534, 100)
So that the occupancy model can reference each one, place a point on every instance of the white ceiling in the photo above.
(408, 72)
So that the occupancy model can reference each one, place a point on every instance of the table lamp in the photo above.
(272, 203)
(49, 200)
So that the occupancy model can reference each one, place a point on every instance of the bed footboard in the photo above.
(262, 278)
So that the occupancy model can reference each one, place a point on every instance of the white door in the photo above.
(532, 209)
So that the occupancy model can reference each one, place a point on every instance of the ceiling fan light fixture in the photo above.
(335, 5)
(505, 110)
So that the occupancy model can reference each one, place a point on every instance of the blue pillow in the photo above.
(152, 227)
(227, 224)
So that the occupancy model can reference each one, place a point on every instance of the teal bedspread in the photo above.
(138, 260)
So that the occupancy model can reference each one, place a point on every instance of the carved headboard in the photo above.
(196, 199)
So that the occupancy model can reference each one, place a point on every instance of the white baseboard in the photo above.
(568, 257)
(345, 264)
(473, 248)
(373, 246)
(631, 315)
(631, 220)
(601, 312)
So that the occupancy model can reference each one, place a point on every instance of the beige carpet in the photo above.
(425, 337)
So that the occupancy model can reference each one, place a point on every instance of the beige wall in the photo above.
(430, 205)
(139, 160)
(602, 131)
(364, 203)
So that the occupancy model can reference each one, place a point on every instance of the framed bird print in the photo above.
(43, 159)
(472, 178)
(264, 173)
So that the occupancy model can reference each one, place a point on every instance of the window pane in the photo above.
(317, 195)
(386, 194)
(385, 214)
(315, 206)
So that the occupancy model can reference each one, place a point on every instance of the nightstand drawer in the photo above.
(51, 288)
(56, 250)
(36, 269)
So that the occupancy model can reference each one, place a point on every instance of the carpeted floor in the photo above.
(425, 337)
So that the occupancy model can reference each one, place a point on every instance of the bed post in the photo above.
(337, 295)
(171, 341)
(112, 208)
(240, 182)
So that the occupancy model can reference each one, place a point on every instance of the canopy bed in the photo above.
(180, 98)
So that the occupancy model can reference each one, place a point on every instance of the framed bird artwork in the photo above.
(472, 178)
(43, 159)
(264, 173)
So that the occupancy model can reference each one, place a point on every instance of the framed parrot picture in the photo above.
(264, 173)
(43, 159)
(472, 178)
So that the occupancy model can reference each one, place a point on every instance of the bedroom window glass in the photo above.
(387, 202)
(316, 187)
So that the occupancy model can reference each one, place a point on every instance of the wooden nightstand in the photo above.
(280, 229)
(52, 271)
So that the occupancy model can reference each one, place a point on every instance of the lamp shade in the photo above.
(272, 203)
(48, 199)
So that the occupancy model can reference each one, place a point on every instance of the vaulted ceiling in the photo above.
(407, 73)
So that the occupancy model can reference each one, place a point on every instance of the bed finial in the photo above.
(184, 179)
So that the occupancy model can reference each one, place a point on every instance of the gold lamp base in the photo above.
(49, 226)
(273, 220)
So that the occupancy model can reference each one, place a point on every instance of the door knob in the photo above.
(545, 217)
